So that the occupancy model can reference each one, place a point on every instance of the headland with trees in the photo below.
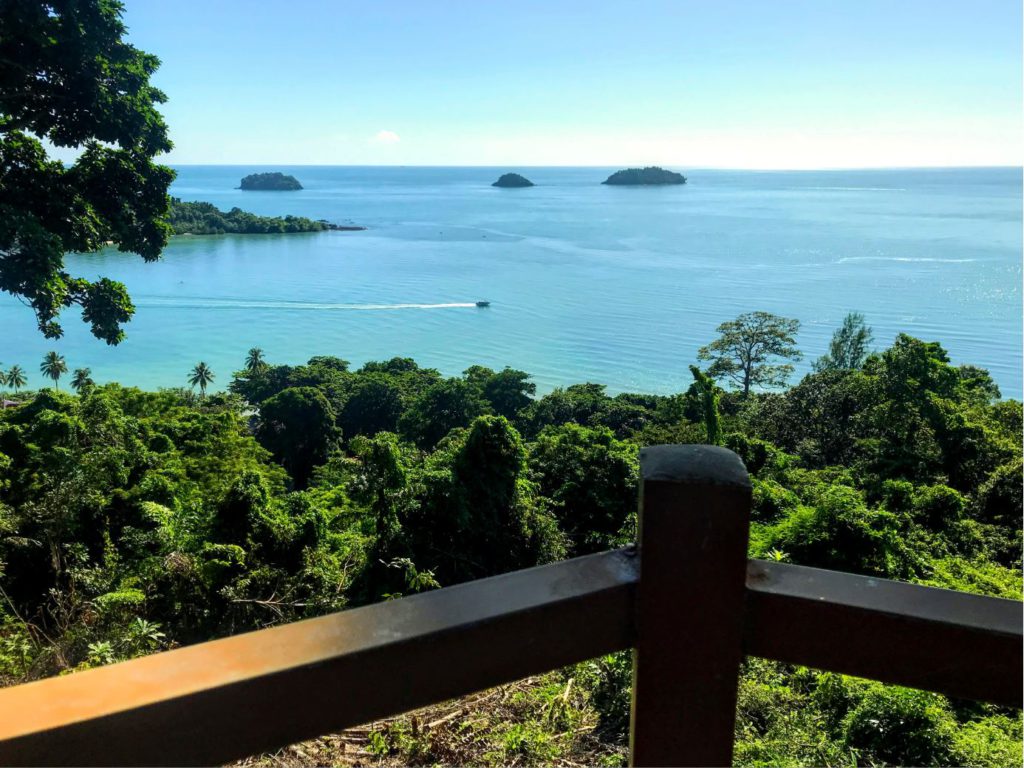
(197, 218)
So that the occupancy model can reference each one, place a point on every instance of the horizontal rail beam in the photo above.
(226, 699)
(962, 645)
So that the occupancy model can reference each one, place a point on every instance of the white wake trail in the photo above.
(906, 259)
(298, 305)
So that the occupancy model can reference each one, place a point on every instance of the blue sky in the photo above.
(743, 84)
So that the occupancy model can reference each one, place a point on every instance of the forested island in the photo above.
(645, 176)
(512, 180)
(133, 521)
(265, 182)
(198, 218)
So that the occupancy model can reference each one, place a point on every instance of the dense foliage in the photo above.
(206, 219)
(270, 181)
(652, 174)
(134, 521)
(68, 79)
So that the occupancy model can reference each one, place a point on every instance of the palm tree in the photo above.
(254, 362)
(82, 379)
(201, 375)
(53, 367)
(16, 378)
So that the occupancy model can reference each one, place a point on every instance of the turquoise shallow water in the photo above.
(587, 282)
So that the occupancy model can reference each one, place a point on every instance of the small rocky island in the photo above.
(264, 182)
(649, 175)
(512, 180)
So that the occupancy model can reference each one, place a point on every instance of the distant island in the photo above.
(512, 180)
(270, 182)
(206, 219)
(649, 175)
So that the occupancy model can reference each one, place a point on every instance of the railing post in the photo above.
(694, 519)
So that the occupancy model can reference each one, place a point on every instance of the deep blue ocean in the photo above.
(616, 285)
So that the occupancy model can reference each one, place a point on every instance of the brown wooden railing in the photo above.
(686, 599)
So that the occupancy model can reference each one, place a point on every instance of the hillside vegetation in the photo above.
(132, 522)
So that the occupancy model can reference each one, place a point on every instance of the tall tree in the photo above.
(255, 363)
(297, 426)
(53, 367)
(381, 479)
(708, 394)
(441, 408)
(591, 481)
(68, 79)
(480, 514)
(81, 379)
(849, 346)
(202, 376)
(374, 405)
(16, 378)
(508, 391)
(244, 502)
(744, 349)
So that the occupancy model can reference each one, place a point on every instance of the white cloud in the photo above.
(385, 137)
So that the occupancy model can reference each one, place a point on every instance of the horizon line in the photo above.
(627, 165)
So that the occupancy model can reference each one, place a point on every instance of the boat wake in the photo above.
(286, 305)
(909, 259)
(854, 189)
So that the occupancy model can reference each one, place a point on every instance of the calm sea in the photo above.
(616, 285)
